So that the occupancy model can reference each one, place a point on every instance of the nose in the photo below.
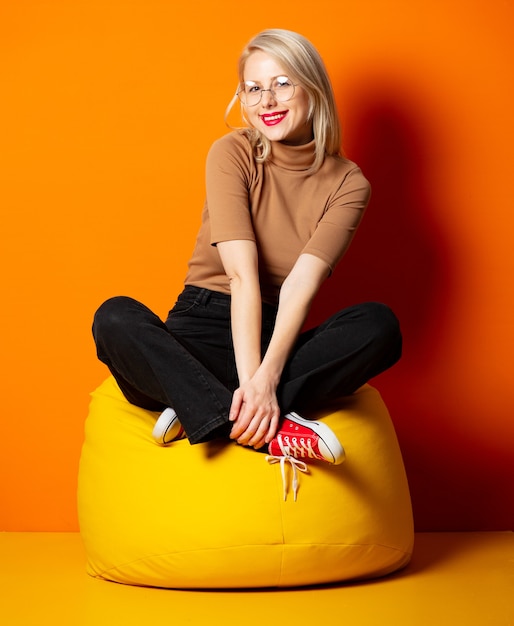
(267, 97)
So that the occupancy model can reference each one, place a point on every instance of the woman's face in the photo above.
(286, 122)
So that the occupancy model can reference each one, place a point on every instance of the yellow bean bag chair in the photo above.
(213, 515)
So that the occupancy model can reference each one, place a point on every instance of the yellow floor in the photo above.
(454, 579)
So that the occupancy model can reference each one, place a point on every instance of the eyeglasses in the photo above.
(250, 92)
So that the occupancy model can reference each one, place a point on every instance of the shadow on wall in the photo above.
(399, 255)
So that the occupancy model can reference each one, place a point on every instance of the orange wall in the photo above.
(107, 111)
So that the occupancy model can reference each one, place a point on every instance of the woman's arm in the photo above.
(258, 424)
(240, 262)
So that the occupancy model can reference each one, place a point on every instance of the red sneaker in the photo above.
(306, 440)
(300, 440)
(167, 428)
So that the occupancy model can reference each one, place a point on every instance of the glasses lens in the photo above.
(250, 93)
(283, 88)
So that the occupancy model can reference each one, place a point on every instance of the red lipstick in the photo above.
(272, 119)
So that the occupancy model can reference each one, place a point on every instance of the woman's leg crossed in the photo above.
(154, 370)
(337, 357)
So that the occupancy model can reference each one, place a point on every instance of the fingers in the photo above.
(265, 433)
(256, 438)
(255, 429)
(273, 429)
(255, 413)
(245, 426)
(237, 403)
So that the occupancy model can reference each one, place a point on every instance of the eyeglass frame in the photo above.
(241, 90)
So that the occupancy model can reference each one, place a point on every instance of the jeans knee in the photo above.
(384, 314)
(111, 315)
(386, 325)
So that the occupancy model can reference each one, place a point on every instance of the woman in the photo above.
(282, 207)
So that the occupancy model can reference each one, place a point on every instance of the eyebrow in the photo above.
(258, 82)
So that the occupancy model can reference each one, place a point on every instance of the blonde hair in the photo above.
(304, 65)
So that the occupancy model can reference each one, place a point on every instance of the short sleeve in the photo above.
(339, 222)
(229, 175)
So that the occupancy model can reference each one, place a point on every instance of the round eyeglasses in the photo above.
(250, 92)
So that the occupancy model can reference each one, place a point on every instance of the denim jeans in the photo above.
(188, 362)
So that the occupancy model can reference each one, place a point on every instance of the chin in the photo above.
(274, 136)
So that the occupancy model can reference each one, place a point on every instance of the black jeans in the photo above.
(188, 362)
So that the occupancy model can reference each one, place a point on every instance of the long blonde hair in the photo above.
(304, 65)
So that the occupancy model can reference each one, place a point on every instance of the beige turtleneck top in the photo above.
(278, 204)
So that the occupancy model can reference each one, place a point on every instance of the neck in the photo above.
(293, 157)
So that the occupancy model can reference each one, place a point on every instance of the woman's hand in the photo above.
(255, 412)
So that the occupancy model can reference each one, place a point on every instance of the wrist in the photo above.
(246, 371)
(271, 374)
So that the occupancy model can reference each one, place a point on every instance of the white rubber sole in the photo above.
(167, 428)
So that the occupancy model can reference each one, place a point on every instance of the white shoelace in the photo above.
(296, 465)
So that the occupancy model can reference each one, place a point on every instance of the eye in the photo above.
(252, 88)
(282, 82)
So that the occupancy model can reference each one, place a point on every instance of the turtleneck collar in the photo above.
(293, 157)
